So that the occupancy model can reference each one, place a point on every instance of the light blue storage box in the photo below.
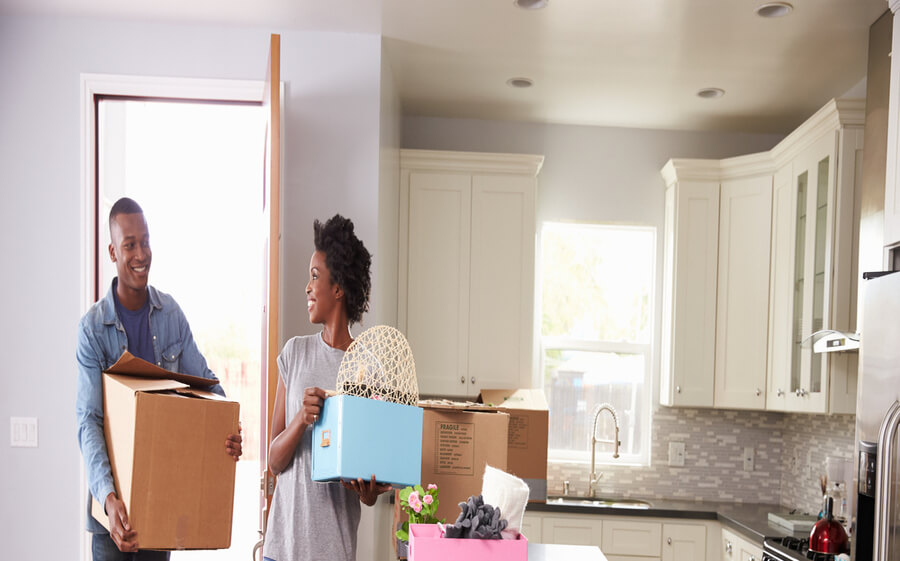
(356, 437)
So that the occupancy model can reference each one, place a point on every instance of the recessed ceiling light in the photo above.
(774, 9)
(711, 93)
(531, 4)
(520, 82)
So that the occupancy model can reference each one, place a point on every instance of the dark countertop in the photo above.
(547, 552)
(749, 520)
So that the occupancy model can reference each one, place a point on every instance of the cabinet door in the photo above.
(437, 313)
(781, 290)
(684, 542)
(625, 537)
(813, 173)
(689, 306)
(501, 297)
(743, 291)
(580, 530)
(532, 527)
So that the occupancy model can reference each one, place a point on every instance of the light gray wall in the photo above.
(331, 164)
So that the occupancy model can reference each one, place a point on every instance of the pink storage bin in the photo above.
(426, 544)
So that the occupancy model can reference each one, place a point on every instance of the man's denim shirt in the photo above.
(101, 341)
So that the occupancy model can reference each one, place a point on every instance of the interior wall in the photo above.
(331, 164)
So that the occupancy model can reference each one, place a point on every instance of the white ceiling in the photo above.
(632, 63)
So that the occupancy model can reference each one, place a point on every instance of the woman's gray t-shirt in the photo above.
(309, 520)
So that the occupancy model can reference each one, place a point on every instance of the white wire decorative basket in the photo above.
(379, 365)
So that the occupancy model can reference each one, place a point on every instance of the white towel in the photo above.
(508, 493)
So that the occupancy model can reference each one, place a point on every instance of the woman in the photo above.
(311, 520)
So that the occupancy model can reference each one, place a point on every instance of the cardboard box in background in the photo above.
(166, 445)
(527, 438)
(358, 437)
(456, 445)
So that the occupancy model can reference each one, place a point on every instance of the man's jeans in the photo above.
(103, 548)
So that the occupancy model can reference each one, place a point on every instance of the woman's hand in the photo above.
(233, 444)
(313, 399)
(368, 491)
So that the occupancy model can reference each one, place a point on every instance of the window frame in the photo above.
(648, 350)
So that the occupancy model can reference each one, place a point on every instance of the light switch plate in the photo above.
(23, 432)
(676, 454)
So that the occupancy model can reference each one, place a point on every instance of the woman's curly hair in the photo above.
(348, 262)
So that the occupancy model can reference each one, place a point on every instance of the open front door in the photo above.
(271, 267)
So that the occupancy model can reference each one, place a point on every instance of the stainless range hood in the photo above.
(832, 341)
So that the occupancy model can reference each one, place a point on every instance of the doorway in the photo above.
(195, 169)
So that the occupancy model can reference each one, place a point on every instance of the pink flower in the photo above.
(428, 499)
(414, 502)
(431, 486)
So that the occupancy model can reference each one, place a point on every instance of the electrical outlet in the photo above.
(23, 432)
(676, 454)
(749, 457)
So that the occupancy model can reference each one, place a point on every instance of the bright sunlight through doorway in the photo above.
(196, 169)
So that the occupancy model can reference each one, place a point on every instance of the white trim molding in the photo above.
(471, 161)
(894, 5)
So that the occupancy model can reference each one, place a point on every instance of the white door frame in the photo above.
(93, 85)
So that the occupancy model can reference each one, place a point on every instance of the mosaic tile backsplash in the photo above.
(784, 445)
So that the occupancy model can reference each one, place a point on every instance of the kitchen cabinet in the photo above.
(716, 275)
(683, 542)
(689, 293)
(466, 278)
(760, 252)
(742, 318)
(531, 527)
(571, 530)
(629, 538)
(736, 548)
(814, 261)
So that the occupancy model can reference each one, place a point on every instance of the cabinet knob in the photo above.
(677, 389)
(728, 547)
(462, 379)
(473, 379)
(779, 392)
(669, 541)
(758, 392)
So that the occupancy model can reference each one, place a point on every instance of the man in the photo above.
(151, 326)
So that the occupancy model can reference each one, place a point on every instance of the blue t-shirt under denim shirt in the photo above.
(137, 328)
(101, 340)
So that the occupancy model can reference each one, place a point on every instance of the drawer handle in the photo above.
(758, 392)
(473, 380)
(677, 389)
(728, 547)
(669, 541)
(462, 379)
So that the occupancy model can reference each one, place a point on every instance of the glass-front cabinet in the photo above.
(813, 273)
(813, 185)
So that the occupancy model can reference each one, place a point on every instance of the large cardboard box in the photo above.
(527, 437)
(458, 441)
(357, 437)
(166, 442)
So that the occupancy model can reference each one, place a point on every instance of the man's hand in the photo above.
(368, 491)
(119, 529)
(233, 444)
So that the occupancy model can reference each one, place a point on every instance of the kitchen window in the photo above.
(597, 285)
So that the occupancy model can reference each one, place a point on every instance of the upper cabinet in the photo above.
(466, 279)
(785, 265)
(815, 260)
(716, 272)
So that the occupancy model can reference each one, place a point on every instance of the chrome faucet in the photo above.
(595, 478)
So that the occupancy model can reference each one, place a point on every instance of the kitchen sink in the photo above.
(603, 502)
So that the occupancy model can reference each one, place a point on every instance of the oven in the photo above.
(792, 549)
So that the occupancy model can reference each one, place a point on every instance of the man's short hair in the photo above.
(124, 205)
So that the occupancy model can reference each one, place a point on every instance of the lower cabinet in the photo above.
(573, 530)
(736, 548)
(628, 538)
